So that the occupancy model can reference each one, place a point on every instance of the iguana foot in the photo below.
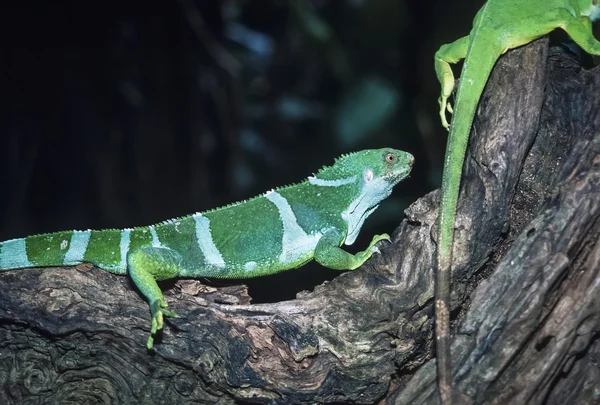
(444, 106)
(378, 238)
(368, 252)
(157, 309)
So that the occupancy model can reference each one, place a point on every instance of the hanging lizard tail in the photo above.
(480, 59)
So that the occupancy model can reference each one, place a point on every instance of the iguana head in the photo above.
(369, 177)
(389, 165)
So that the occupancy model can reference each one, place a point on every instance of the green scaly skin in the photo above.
(499, 25)
(279, 230)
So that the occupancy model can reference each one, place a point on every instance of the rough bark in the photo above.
(528, 219)
(531, 333)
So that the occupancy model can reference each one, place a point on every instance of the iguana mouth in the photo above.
(396, 177)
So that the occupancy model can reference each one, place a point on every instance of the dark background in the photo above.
(119, 114)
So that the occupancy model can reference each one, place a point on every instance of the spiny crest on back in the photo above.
(230, 205)
(340, 168)
(345, 169)
(347, 165)
(350, 164)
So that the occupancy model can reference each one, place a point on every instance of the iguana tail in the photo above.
(481, 57)
(102, 248)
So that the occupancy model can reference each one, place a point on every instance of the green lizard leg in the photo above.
(579, 29)
(447, 54)
(146, 266)
(330, 255)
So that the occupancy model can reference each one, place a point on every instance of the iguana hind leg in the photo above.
(447, 54)
(578, 29)
(146, 266)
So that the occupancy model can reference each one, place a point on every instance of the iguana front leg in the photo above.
(329, 254)
(146, 266)
(447, 54)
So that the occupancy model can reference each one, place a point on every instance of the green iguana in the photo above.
(499, 25)
(279, 230)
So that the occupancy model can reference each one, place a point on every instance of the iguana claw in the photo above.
(158, 310)
(445, 106)
(376, 239)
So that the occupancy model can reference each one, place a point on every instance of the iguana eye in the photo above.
(390, 158)
(368, 175)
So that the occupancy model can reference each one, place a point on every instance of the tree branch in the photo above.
(528, 219)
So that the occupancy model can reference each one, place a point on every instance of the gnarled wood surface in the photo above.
(528, 333)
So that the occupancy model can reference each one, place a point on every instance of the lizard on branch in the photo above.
(499, 25)
(279, 230)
